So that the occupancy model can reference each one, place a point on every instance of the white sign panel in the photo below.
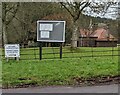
(45, 34)
(48, 27)
(12, 50)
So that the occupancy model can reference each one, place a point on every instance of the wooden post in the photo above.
(17, 58)
(7, 59)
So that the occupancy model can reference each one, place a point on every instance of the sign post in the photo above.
(60, 50)
(50, 31)
(12, 50)
(40, 50)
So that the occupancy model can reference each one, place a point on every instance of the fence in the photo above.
(54, 52)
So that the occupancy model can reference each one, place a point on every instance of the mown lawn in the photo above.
(59, 72)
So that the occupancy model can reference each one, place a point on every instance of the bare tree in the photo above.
(118, 19)
(77, 8)
(9, 11)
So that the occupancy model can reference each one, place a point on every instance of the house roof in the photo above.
(84, 32)
(100, 34)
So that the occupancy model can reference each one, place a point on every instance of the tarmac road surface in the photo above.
(62, 89)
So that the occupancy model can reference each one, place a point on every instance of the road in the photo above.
(61, 89)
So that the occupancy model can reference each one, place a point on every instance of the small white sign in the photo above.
(48, 27)
(45, 34)
(12, 50)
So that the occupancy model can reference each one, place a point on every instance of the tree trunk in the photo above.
(74, 35)
(4, 34)
(4, 26)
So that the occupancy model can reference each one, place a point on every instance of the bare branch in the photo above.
(86, 5)
(14, 13)
(10, 8)
(66, 9)
(78, 10)
(20, 20)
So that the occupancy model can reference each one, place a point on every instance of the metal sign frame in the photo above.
(50, 22)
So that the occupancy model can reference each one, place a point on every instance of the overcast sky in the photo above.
(112, 12)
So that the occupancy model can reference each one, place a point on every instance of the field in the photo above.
(59, 71)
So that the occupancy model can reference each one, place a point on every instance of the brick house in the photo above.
(99, 38)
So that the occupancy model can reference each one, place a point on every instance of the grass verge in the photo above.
(57, 72)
